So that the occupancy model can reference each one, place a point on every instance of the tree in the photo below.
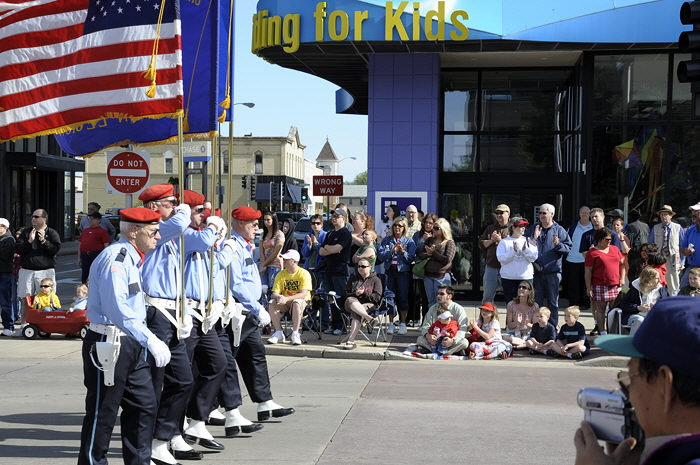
(360, 178)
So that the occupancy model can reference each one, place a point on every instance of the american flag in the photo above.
(65, 63)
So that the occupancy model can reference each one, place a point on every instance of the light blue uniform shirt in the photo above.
(161, 267)
(198, 243)
(115, 295)
(245, 277)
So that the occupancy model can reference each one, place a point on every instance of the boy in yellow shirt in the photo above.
(292, 290)
(46, 299)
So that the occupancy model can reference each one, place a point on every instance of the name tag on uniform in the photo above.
(249, 261)
(134, 288)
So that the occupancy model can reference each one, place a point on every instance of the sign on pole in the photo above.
(127, 172)
(328, 185)
(196, 151)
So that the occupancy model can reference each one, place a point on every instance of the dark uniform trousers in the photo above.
(206, 352)
(250, 357)
(173, 383)
(230, 393)
(132, 390)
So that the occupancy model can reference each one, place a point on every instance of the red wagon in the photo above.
(40, 323)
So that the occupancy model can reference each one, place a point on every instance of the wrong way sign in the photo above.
(127, 172)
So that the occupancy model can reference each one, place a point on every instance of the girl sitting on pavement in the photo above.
(487, 331)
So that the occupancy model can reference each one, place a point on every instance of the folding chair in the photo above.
(614, 322)
(310, 324)
(381, 311)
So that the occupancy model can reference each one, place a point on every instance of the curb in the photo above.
(333, 353)
(606, 361)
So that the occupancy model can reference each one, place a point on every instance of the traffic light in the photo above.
(252, 188)
(244, 180)
(689, 41)
(274, 191)
(304, 194)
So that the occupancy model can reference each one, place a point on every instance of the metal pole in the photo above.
(181, 173)
(210, 301)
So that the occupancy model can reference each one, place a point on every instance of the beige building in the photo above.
(264, 159)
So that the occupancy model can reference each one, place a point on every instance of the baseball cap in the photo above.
(669, 335)
(4, 222)
(502, 208)
(291, 254)
(445, 314)
(522, 222)
(695, 207)
(488, 306)
(340, 212)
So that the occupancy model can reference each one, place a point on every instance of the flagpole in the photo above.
(229, 211)
(213, 195)
(181, 187)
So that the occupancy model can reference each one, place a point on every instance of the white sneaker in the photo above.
(337, 332)
(277, 336)
(7, 332)
(402, 328)
(296, 338)
(390, 328)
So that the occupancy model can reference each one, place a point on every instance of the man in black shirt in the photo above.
(336, 250)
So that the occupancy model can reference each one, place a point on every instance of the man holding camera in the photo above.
(662, 384)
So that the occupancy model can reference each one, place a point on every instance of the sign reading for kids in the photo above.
(403, 19)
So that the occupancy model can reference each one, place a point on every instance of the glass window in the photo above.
(458, 153)
(682, 97)
(682, 188)
(519, 153)
(258, 162)
(458, 209)
(168, 157)
(522, 100)
(460, 100)
(630, 87)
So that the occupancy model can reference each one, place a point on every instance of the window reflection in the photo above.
(458, 153)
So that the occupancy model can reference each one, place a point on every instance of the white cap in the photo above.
(4, 222)
(695, 207)
(291, 254)
(445, 315)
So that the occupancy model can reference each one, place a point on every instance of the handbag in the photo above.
(419, 268)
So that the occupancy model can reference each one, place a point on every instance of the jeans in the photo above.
(635, 321)
(398, 282)
(6, 285)
(86, 259)
(510, 288)
(333, 282)
(492, 279)
(268, 276)
(547, 286)
(431, 287)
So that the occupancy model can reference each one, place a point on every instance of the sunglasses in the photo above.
(607, 239)
(46, 285)
(151, 233)
(198, 210)
(624, 379)
(316, 222)
(499, 213)
(436, 228)
(524, 287)
(364, 266)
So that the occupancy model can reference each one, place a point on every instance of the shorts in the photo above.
(29, 281)
(605, 293)
(284, 308)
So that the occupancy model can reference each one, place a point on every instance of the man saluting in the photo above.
(115, 368)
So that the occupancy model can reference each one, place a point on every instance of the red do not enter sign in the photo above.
(127, 172)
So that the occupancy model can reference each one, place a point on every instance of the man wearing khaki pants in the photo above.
(291, 291)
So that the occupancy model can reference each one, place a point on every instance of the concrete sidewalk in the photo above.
(329, 346)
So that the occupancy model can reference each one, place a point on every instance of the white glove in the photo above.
(183, 207)
(264, 317)
(208, 323)
(217, 222)
(228, 312)
(222, 232)
(160, 351)
(183, 332)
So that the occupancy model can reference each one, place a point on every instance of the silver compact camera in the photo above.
(610, 414)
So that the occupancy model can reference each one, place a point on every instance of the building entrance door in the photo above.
(469, 213)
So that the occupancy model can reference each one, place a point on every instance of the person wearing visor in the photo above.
(516, 254)
(663, 385)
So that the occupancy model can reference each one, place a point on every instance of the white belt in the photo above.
(168, 304)
(194, 305)
(105, 329)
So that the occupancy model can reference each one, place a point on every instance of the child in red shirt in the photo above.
(445, 326)
(92, 241)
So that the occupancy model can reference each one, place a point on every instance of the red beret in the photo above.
(193, 198)
(246, 214)
(159, 191)
(139, 215)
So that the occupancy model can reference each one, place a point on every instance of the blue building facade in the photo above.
(502, 101)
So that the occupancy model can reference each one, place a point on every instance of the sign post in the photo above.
(127, 172)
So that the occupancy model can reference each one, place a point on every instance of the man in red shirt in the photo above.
(92, 241)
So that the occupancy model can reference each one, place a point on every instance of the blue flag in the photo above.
(205, 31)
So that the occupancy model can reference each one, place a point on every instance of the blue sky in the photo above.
(285, 98)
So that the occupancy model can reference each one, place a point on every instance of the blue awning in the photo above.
(294, 193)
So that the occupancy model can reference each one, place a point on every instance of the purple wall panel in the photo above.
(403, 125)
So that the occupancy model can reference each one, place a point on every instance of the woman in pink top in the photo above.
(605, 270)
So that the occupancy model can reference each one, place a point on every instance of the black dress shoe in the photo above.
(232, 431)
(187, 454)
(160, 462)
(278, 412)
(206, 443)
(216, 421)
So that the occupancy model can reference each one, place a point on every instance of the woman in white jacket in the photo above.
(516, 254)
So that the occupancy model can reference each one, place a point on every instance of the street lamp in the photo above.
(230, 128)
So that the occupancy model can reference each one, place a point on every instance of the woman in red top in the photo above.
(605, 270)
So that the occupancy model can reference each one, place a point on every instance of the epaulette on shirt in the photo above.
(121, 256)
